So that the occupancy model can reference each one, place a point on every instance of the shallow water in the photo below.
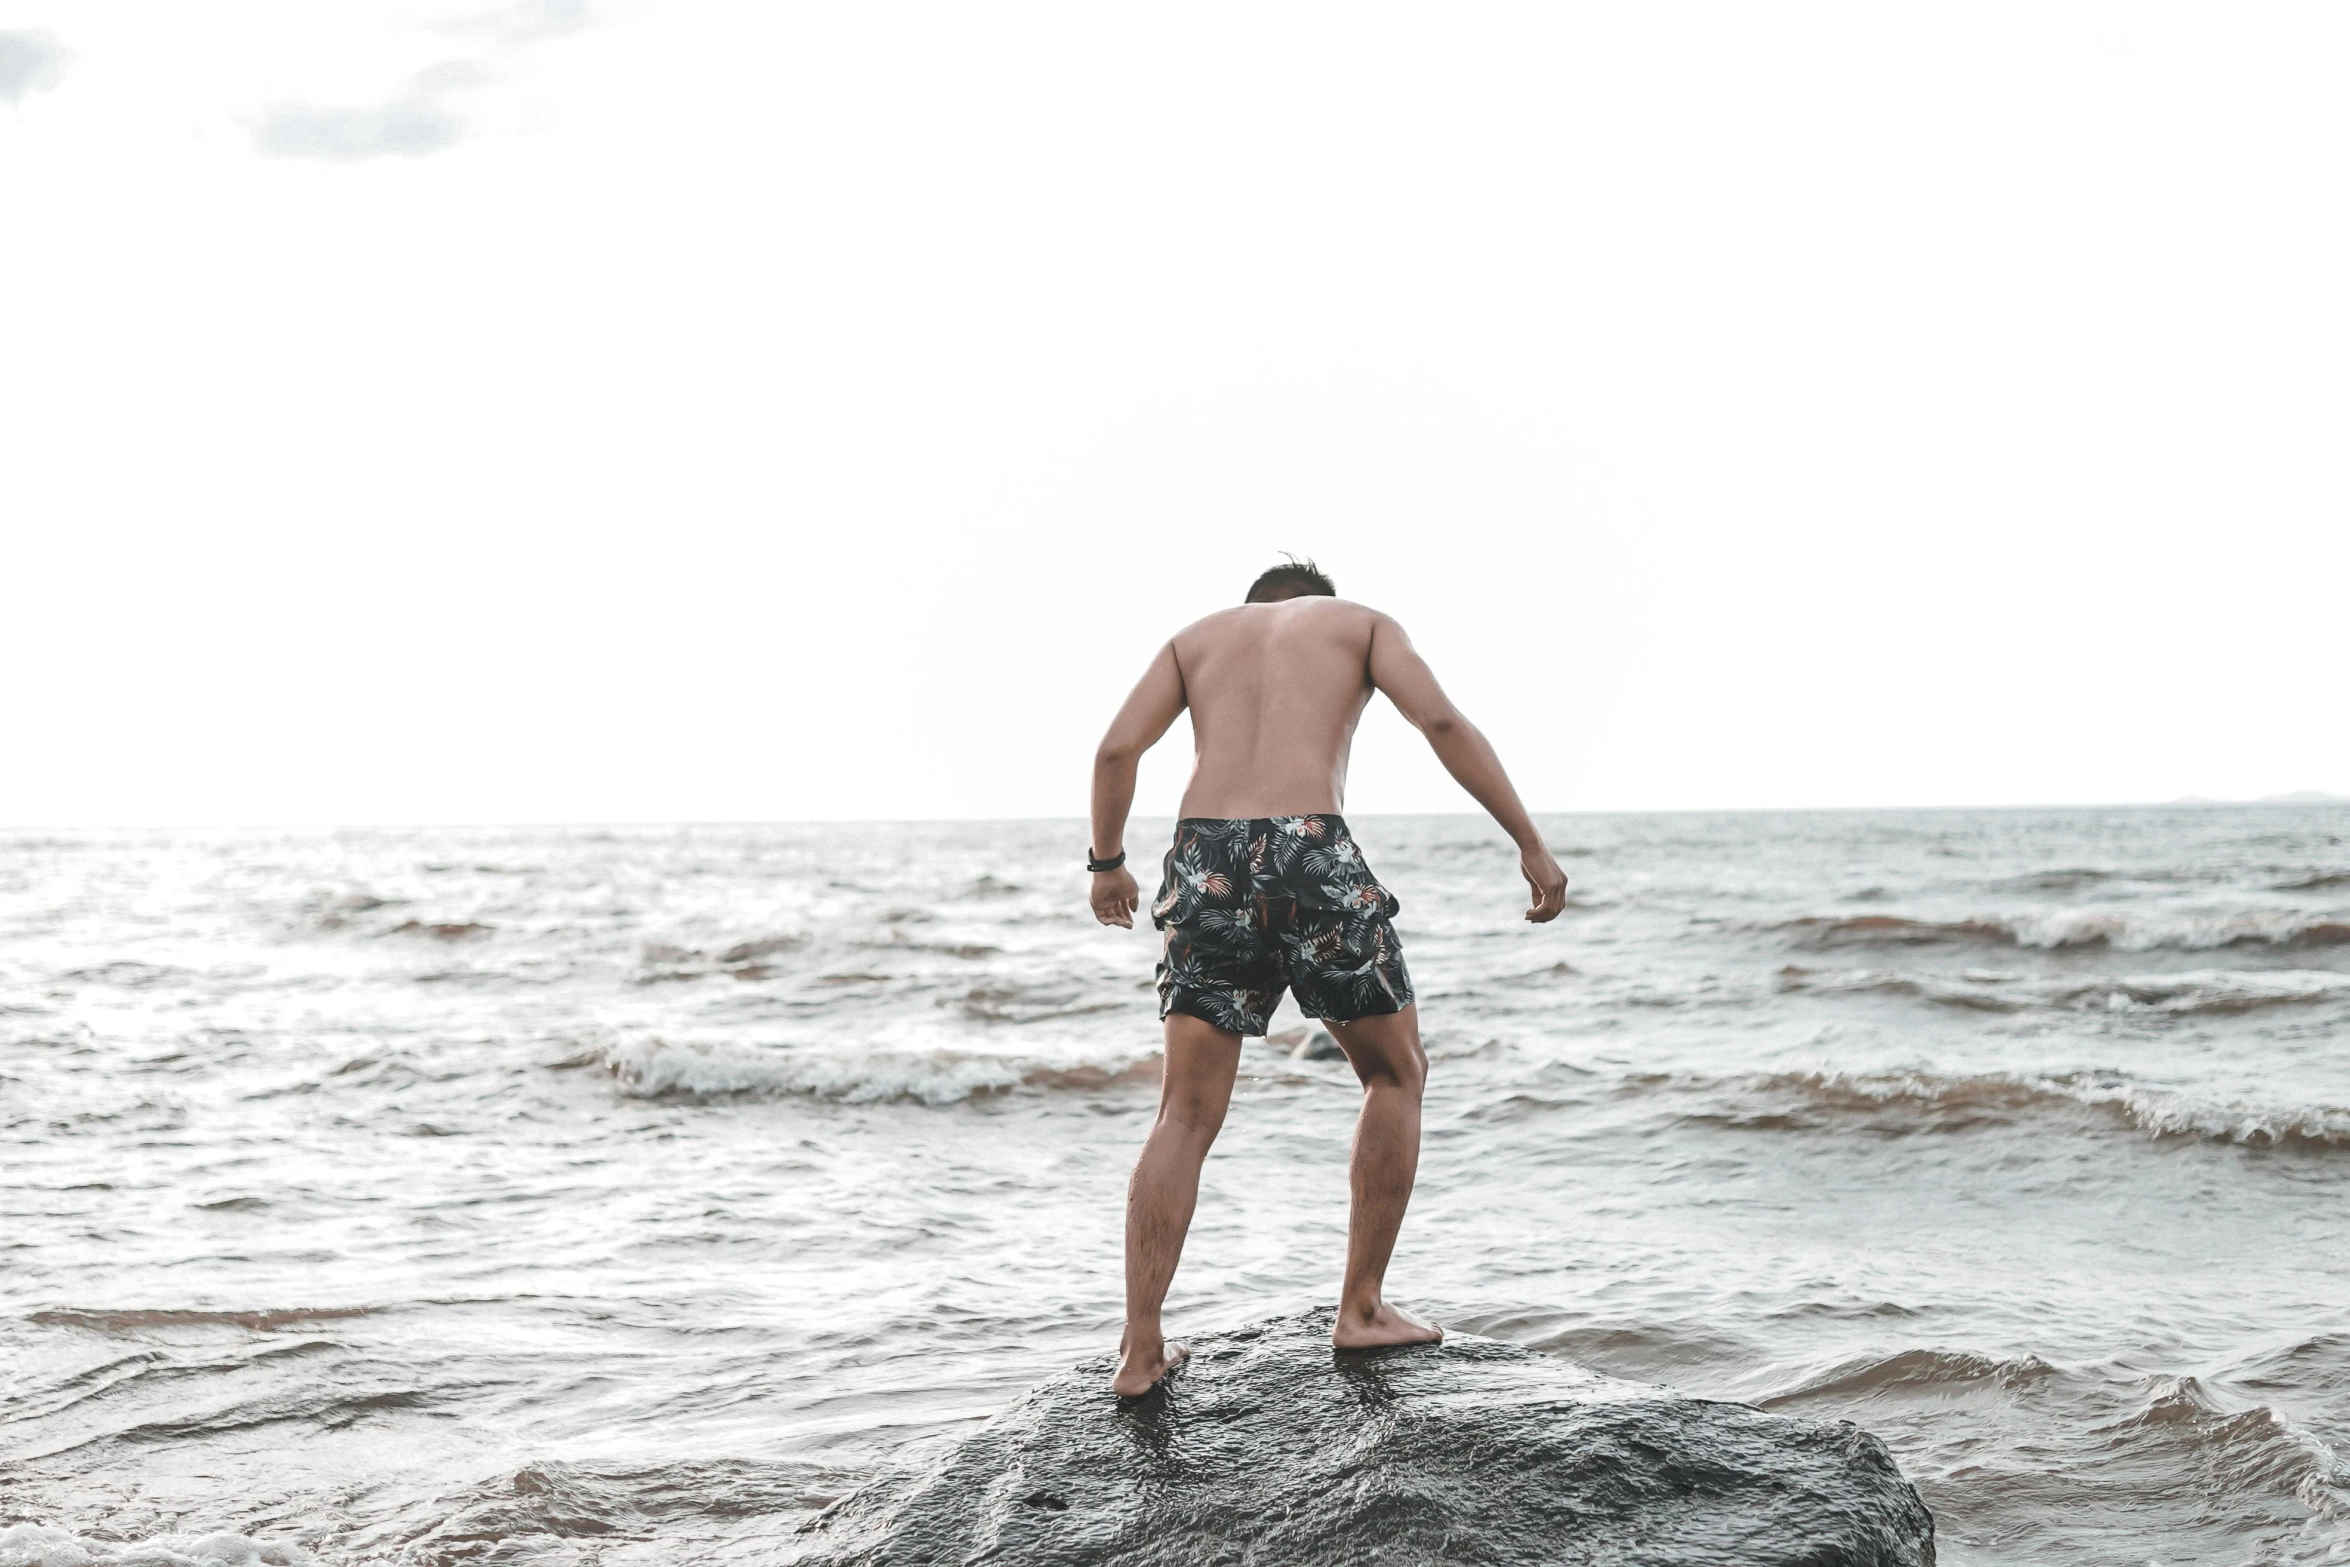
(583, 1196)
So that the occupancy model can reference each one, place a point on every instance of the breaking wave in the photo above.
(516, 1517)
(253, 1321)
(658, 1069)
(1903, 1102)
(1912, 1369)
(37, 1545)
(2127, 1438)
(2253, 1449)
(2060, 928)
(2200, 992)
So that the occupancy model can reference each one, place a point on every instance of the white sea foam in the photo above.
(2163, 1111)
(2181, 932)
(2195, 992)
(657, 1068)
(2052, 929)
(2171, 1114)
(37, 1545)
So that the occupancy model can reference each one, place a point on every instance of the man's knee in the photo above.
(1194, 1117)
(1411, 1069)
(1403, 1065)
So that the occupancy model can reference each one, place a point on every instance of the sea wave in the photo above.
(1873, 1376)
(2126, 1432)
(753, 957)
(2194, 993)
(1902, 1102)
(2072, 879)
(131, 974)
(123, 1321)
(38, 1545)
(2062, 928)
(502, 1519)
(659, 1069)
(2247, 1450)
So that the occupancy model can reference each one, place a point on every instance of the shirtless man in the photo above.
(1265, 889)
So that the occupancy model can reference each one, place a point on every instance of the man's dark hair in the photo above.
(1299, 579)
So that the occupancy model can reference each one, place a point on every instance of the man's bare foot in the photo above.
(1139, 1373)
(1383, 1328)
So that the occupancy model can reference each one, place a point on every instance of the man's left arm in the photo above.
(1156, 702)
(1397, 669)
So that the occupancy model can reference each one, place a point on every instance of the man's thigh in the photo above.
(1201, 1062)
(1384, 1047)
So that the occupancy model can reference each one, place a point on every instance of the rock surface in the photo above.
(1270, 1450)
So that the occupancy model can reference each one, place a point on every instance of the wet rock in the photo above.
(1318, 1046)
(1306, 1044)
(452, 930)
(1269, 1449)
(752, 951)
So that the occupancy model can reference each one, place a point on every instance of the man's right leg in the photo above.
(1386, 1055)
(1194, 1091)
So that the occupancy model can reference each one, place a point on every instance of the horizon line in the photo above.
(2182, 802)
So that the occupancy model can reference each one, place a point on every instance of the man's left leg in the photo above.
(1194, 1091)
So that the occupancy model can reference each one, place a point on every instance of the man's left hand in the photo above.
(1114, 897)
(1546, 881)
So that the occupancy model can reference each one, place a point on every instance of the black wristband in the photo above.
(1097, 866)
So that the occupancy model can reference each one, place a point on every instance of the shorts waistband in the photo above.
(1330, 817)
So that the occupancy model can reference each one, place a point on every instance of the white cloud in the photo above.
(31, 61)
(422, 117)
(413, 122)
(528, 20)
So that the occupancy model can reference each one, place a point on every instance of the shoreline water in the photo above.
(666, 1179)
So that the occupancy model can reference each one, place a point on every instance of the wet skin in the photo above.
(1275, 691)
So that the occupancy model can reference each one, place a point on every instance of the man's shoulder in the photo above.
(1346, 619)
(1336, 613)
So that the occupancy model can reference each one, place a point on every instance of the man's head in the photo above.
(1296, 580)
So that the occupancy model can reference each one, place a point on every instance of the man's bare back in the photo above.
(1275, 691)
(1267, 890)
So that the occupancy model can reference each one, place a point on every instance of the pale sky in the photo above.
(420, 410)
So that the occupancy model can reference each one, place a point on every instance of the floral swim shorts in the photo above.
(1251, 905)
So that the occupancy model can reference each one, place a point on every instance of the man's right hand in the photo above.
(1548, 882)
(1114, 897)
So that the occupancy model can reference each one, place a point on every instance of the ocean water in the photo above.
(619, 1196)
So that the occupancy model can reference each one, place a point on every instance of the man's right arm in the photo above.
(1398, 670)
(1156, 701)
